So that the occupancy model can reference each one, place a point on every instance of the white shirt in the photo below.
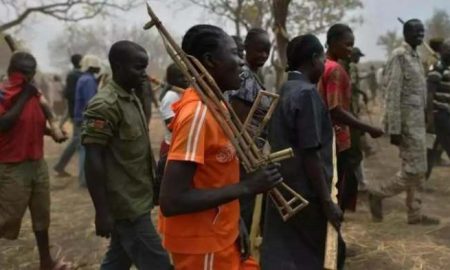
(166, 111)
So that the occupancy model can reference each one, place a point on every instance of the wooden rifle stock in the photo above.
(250, 156)
(11, 43)
(331, 245)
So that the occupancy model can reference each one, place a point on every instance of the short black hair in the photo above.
(202, 38)
(252, 34)
(409, 24)
(76, 59)
(172, 73)
(120, 52)
(336, 32)
(21, 62)
(301, 49)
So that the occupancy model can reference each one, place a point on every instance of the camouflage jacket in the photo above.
(405, 87)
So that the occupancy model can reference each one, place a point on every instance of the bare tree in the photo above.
(87, 40)
(280, 13)
(69, 10)
(285, 17)
(438, 26)
(390, 41)
(244, 14)
(305, 16)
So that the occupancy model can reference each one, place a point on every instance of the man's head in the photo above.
(128, 62)
(445, 52)
(340, 41)
(217, 51)
(356, 55)
(414, 32)
(91, 63)
(305, 54)
(24, 63)
(76, 60)
(257, 47)
(175, 77)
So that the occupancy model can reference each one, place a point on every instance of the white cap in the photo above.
(90, 60)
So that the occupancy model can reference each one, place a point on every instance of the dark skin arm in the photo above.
(313, 165)
(54, 130)
(179, 197)
(342, 116)
(9, 118)
(95, 179)
(432, 87)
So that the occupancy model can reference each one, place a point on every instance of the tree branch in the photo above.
(62, 10)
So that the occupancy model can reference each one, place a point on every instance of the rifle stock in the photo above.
(331, 246)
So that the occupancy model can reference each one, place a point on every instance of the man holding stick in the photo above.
(24, 180)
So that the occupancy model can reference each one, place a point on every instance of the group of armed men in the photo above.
(119, 171)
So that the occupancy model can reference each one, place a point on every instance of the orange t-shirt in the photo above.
(197, 137)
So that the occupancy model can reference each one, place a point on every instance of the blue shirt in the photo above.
(301, 121)
(86, 88)
(250, 87)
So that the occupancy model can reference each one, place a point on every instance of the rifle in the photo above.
(58, 134)
(11, 43)
(331, 245)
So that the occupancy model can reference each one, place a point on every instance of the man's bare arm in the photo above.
(342, 116)
(179, 197)
(96, 182)
(55, 130)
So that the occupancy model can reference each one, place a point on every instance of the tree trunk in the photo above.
(238, 18)
(280, 13)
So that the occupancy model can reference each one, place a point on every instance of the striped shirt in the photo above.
(197, 137)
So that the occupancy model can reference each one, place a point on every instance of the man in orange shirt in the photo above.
(201, 187)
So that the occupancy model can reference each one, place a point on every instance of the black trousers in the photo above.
(442, 129)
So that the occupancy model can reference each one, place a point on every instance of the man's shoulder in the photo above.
(170, 96)
(191, 110)
(296, 89)
(75, 73)
(105, 99)
(399, 52)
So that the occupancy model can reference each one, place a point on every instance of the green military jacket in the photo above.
(115, 119)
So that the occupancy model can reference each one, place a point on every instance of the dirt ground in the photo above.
(391, 245)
